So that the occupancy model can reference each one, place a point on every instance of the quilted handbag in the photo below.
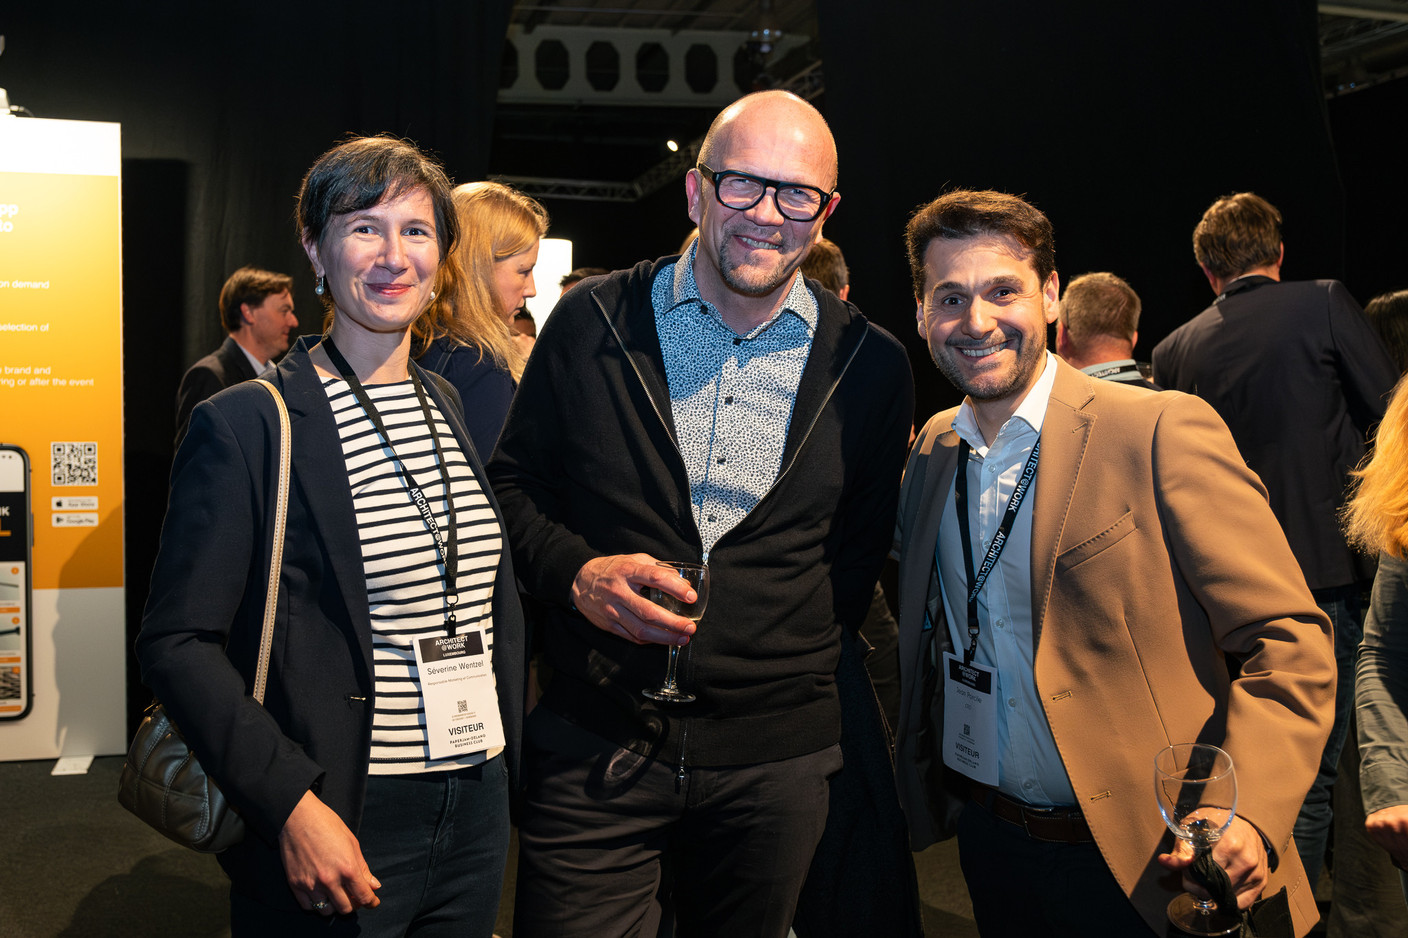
(162, 781)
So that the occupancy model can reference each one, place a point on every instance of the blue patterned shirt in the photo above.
(731, 396)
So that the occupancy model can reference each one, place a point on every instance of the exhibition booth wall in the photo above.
(62, 622)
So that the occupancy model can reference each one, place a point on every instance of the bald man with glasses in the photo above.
(713, 408)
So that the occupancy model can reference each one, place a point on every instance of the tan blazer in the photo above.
(1157, 569)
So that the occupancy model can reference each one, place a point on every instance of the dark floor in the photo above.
(74, 863)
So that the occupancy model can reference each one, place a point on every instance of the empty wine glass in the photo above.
(697, 576)
(1196, 787)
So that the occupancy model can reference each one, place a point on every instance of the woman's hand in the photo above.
(323, 861)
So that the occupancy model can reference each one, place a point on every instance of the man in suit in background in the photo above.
(1300, 377)
(256, 308)
(1070, 608)
(1097, 326)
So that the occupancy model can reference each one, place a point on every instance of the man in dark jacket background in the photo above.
(710, 408)
(256, 309)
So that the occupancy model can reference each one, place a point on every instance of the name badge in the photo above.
(970, 720)
(461, 703)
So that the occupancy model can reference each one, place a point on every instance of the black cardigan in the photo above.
(588, 466)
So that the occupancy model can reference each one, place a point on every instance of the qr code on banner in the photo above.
(74, 463)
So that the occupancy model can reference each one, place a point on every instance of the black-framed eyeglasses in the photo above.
(742, 191)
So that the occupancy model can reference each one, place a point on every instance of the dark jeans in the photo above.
(607, 835)
(1346, 609)
(437, 841)
(1023, 888)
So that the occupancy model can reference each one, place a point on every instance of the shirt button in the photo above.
(738, 340)
(1002, 623)
(729, 399)
(713, 518)
(721, 460)
(1012, 702)
(1027, 785)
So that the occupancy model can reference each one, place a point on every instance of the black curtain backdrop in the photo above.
(223, 108)
(1121, 122)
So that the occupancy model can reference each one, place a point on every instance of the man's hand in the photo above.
(1240, 853)
(607, 592)
(1388, 827)
(323, 861)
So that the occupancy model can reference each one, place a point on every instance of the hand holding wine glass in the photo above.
(607, 593)
(696, 578)
(1196, 788)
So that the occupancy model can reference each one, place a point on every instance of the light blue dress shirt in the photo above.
(1029, 765)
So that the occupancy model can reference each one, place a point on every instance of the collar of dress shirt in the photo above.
(258, 365)
(1032, 410)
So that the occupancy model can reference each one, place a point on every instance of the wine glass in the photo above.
(1196, 787)
(697, 576)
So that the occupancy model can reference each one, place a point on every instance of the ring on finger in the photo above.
(322, 905)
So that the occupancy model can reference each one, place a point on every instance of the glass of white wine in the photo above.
(1196, 786)
(697, 576)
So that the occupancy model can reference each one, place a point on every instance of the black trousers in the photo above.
(1022, 887)
(607, 836)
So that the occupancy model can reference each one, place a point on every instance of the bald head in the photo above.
(785, 119)
(778, 148)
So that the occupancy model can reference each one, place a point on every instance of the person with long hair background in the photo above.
(1376, 520)
(476, 348)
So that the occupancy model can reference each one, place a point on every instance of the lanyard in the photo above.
(999, 541)
(449, 553)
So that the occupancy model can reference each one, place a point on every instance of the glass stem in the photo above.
(670, 665)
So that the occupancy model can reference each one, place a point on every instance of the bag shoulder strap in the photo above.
(276, 563)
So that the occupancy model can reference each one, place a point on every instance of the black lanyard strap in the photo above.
(999, 541)
(449, 552)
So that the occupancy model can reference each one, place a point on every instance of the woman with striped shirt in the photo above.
(376, 777)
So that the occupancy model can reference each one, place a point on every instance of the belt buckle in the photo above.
(1027, 813)
(1050, 815)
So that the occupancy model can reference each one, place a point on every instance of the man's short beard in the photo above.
(749, 289)
(1019, 376)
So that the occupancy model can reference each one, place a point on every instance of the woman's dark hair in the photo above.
(364, 171)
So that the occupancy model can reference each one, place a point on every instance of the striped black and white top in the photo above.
(404, 569)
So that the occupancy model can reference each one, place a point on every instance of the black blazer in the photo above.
(217, 371)
(208, 589)
(1300, 377)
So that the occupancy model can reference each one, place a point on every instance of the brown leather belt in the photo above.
(1054, 825)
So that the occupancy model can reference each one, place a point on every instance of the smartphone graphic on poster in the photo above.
(16, 541)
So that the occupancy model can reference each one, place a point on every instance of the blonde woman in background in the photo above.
(1376, 520)
(476, 348)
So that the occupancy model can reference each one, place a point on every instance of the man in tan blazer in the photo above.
(1136, 593)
